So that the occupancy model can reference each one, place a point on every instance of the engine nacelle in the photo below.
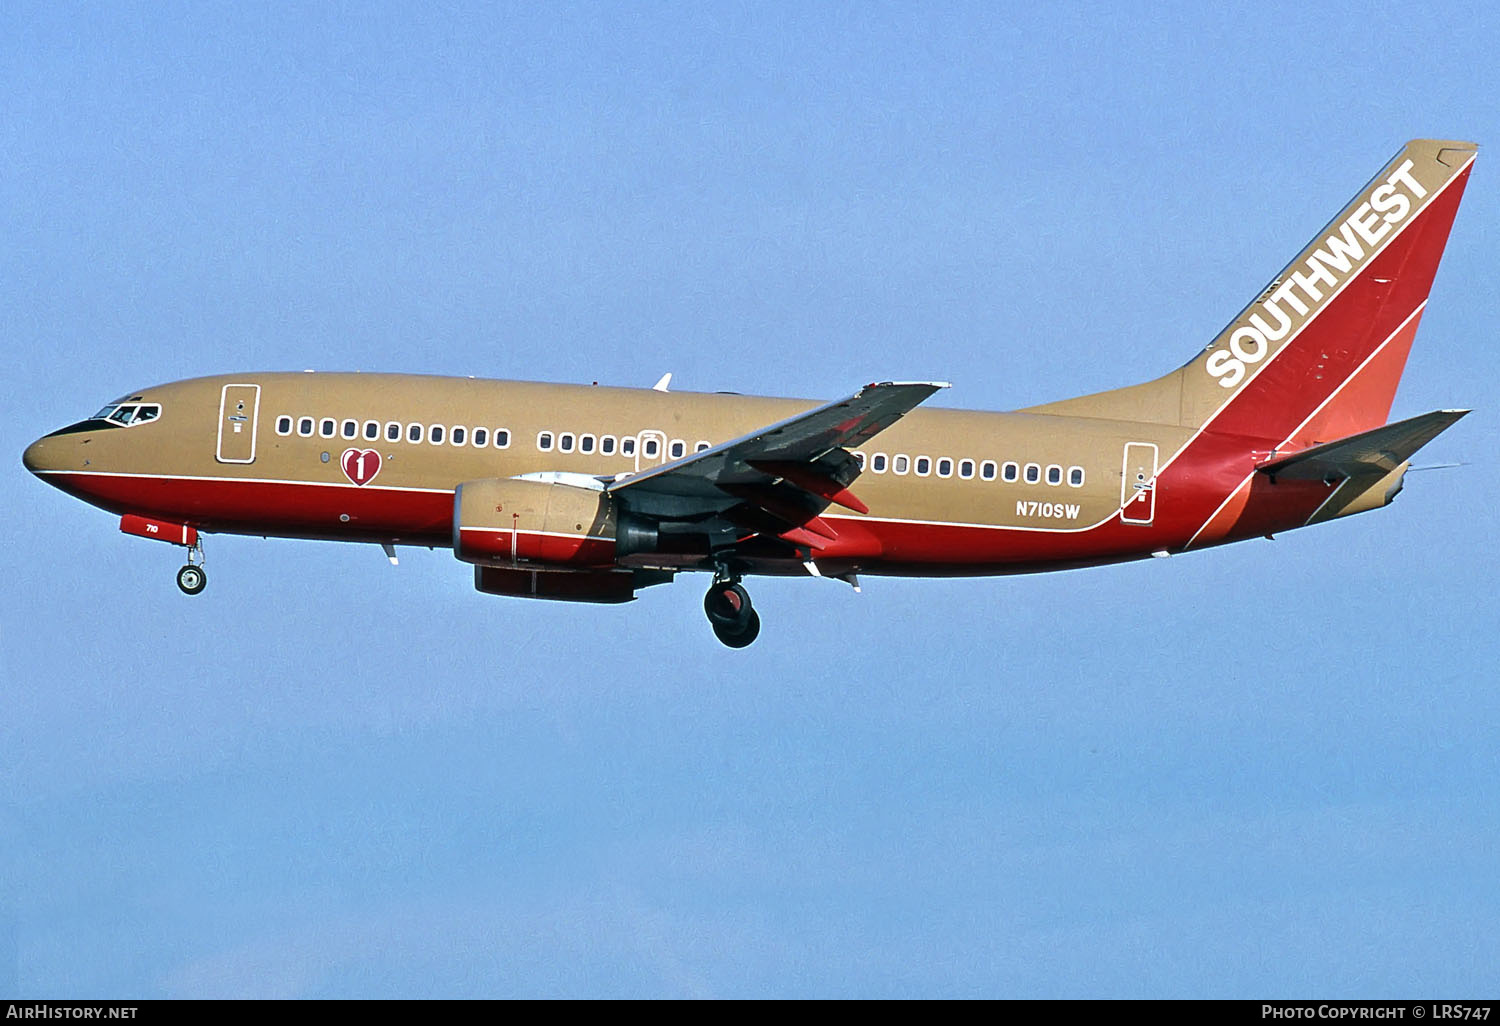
(515, 522)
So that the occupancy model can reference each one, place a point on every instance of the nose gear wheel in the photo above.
(192, 578)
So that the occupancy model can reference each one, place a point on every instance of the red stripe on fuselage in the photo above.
(283, 508)
(424, 517)
(292, 510)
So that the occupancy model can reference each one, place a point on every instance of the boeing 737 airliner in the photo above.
(587, 494)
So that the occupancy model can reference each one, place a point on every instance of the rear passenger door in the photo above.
(1138, 487)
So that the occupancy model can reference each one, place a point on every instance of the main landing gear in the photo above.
(191, 578)
(734, 619)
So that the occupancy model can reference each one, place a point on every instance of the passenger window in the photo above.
(627, 447)
(1033, 473)
(372, 429)
(502, 438)
(945, 467)
(350, 429)
(435, 434)
(877, 462)
(565, 442)
(900, 464)
(987, 470)
(304, 426)
(651, 448)
(924, 466)
(327, 427)
(585, 443)
(678, 448)
(283, 425)
(1075, 477)
(481, 437)
(966, 469)
(393, 432)
(701, 447)
(459, 435)
(1010, 472)
(414, 432)
(607, 445)
(544, 441)
(1054, 474)
(859, 459)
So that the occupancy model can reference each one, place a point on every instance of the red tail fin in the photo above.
(1317, 355)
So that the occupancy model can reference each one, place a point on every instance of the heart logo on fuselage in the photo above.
(360, 465)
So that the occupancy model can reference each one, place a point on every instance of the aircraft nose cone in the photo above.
(35, 458)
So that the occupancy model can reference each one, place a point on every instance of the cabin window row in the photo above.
(394, 431)
(650, 444)
(986, 470)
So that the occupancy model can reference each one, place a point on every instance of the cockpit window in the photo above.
(128, 414)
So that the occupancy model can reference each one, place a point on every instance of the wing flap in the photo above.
(812, 479)
(1377, 452)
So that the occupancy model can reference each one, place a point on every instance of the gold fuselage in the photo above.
(952, 510)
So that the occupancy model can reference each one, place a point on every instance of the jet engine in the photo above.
(515, 521)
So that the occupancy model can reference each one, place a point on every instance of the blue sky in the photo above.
(1260, 770)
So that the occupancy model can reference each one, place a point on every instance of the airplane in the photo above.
(590, 493)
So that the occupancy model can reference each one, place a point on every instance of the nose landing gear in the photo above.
(733, 618)
(191, 579)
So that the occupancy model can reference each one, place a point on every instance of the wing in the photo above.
(775, 481)
(1370, 452)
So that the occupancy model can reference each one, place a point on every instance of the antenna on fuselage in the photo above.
(661, 386)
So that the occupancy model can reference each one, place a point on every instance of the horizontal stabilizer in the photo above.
(1377, 452)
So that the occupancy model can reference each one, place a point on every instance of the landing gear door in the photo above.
(239, 406)
(1138, 490)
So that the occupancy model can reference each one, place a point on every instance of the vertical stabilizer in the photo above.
(1318, 354)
